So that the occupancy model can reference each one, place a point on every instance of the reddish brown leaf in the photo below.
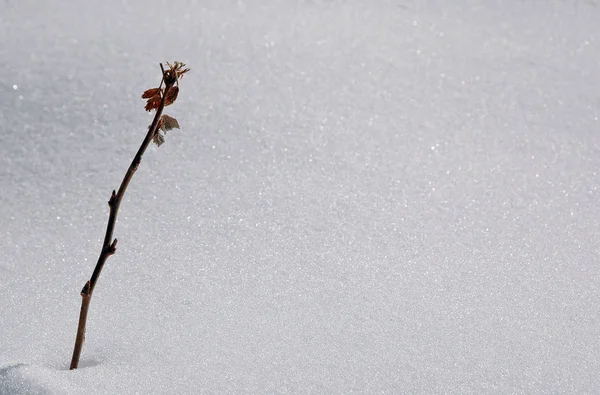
(152, 103)
(150, 92)
(171, 95)
(167, 122)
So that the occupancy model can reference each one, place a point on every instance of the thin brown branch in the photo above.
(109, 245)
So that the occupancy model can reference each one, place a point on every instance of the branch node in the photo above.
(113, 196)
(112, 248)
(86, 290)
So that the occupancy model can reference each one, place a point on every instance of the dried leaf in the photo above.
(158, 138)
(150, 93)
(167, 122)
(177, 68)
(171, 95)
(152, 103)
(182, 72)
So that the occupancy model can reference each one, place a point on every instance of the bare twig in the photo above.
(109, 246)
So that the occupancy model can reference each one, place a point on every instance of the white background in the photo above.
(395, 197)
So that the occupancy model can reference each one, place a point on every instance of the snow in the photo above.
(385, 196)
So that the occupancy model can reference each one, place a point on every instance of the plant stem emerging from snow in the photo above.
(109, 246)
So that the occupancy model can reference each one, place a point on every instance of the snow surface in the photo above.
(365, 196)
